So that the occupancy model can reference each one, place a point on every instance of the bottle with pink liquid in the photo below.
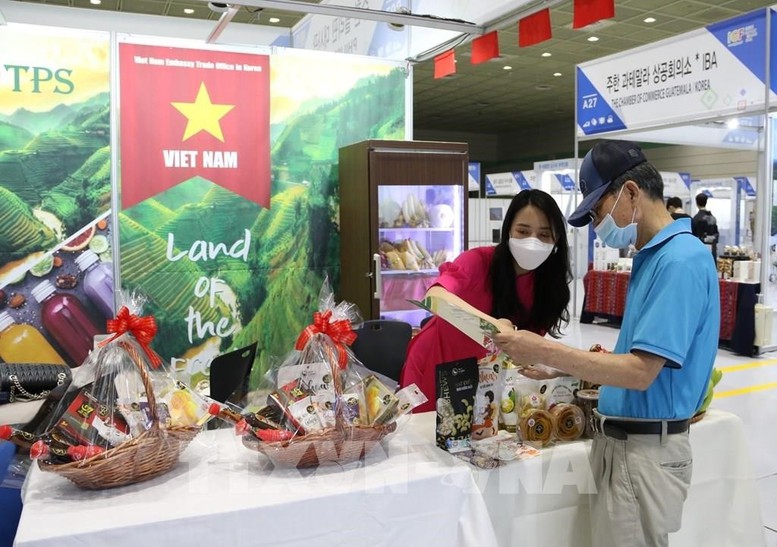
(66, 320)
(98, 281)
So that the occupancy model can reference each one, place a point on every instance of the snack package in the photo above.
(456, 387)
(508, 415)
(381, 402)
(353, 407)
(537, 427)
(560, 390)
(485, 416)
(529, 395)
(504, 447)
(409, 398)
(569, 420)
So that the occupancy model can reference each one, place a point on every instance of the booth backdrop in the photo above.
(55, 170)
(228, 201)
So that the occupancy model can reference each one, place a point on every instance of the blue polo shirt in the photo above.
(673, 311)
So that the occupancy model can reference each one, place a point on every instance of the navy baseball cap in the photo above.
(604, 163)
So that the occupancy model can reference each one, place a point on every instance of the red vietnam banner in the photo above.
(187, 113)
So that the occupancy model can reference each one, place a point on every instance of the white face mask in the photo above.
(530, 252)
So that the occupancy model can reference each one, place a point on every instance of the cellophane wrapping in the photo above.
(122, 390)
(323, 406)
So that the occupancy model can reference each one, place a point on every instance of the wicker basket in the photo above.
(150, 454)
(333, 447)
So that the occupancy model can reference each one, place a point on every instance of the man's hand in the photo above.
(523, 346)
(540, 372)
(505, 325)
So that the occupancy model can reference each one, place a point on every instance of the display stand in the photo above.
(710, 87)
(402, 214)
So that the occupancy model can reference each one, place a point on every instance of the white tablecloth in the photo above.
(544, 501)
(415, 494)
(223, 494)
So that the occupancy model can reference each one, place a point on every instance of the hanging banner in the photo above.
(226, 260)
(508, 184)
(715, 71)
(193, 124)
(473, 179)
(56, 270)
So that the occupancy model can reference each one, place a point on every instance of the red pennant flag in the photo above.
(591, 11)
(208, 116)
(485, 47)
(444, 64)
(534, 29)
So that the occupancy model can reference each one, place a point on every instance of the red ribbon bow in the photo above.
(339, 331)
(142, 328)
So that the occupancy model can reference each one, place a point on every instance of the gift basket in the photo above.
(124, 419)
(323, 406)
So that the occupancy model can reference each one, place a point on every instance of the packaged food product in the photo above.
(537, 426)
(455, 394)
(409, 398)
(569, 420)
(354, 408)
(485, 417)
(381, 402)
(560, 390)
(508, 415)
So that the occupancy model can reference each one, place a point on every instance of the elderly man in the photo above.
(657, 375)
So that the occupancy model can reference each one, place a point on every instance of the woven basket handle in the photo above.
(138, 359)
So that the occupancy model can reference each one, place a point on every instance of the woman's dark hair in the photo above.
(551, 281)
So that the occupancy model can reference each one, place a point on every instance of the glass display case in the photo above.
(419, 228)
(402, 214)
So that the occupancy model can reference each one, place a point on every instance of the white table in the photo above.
(414, 495)
(544, 501)
(223, 494)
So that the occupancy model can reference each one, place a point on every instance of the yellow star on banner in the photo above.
(203, 115)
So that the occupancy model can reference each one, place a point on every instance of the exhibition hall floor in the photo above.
(748, 389)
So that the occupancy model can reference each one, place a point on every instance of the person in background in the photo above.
(675, 207)
(657, 375)
(705, 226)
(524, 279)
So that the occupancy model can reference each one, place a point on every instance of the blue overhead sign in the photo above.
(506, 184)
(718, 70)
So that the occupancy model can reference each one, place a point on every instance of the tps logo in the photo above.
(38, 79)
